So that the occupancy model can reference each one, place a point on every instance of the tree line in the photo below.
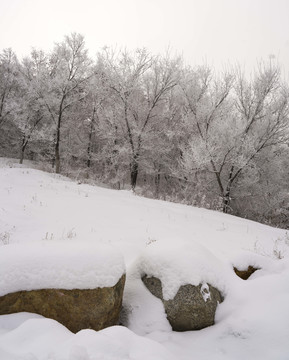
(152, 124)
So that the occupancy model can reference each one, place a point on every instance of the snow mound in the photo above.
(177, 264)
(46, 336)
(62, 265)
(249, 258)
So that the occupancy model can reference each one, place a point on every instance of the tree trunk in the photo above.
(57, 141)
(90, 138)
(89, 147)
(134, 167)
(227, 193)
(226, 202)
(157, 183)
(21, 155)
(23, 147)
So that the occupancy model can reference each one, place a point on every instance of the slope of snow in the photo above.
(175, 242)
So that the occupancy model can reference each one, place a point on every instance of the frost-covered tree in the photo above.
(97, 109)
(206, 110)
(131, 118)
(30, 110)
(8, 83)
(266, 197)
(140, 83)
(232, 121)
(263, 108)
(69, 69)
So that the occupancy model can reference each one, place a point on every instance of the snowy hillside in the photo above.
(179, 242)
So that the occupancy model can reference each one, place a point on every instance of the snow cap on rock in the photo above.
(60, 265)
(177, 264)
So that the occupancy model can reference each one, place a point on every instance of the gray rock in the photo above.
(76, 309)
(193, 307)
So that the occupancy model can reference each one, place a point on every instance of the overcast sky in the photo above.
(215, 31)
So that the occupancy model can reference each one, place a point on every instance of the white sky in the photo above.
(215, 31)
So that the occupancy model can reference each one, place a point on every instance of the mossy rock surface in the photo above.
(193, 307)
(76, 309)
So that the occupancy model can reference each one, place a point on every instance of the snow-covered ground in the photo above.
(177, 243)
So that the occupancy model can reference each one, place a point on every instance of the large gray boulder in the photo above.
(76, 309)
(192, 308)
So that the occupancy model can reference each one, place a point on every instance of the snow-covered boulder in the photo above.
(78, 284)
(188, 279)
(193, 307)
